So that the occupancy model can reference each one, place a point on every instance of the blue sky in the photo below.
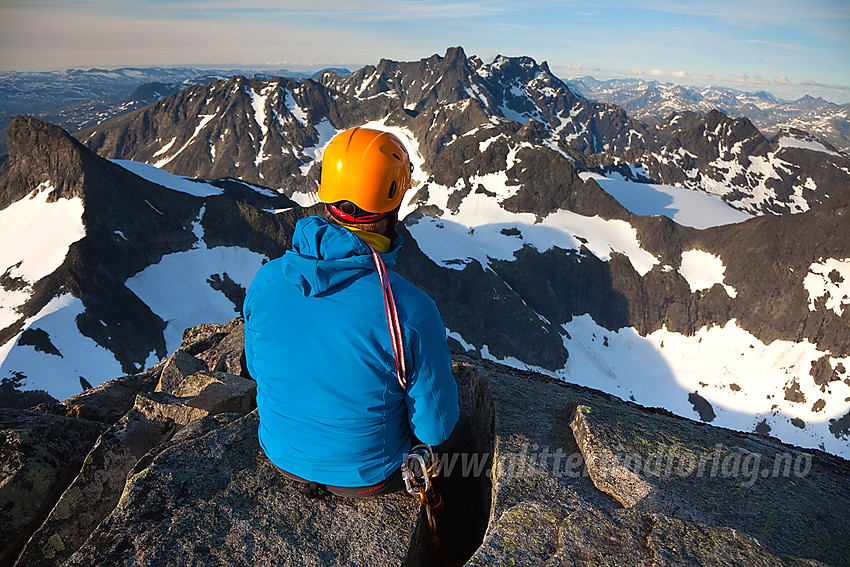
(789, 48)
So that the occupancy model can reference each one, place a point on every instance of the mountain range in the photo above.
(717, 288)
(652, 101)
(79, 98)
(76, 99)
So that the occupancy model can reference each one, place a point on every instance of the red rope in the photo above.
(392, 320)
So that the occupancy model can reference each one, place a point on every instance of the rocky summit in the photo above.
(722, 293)
(693, 264)
(163, 467)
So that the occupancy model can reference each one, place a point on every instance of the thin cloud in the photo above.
(744, 79)
(341, 10)
(777, 45)
(755, 14)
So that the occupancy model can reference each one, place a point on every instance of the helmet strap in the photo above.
(358, 218)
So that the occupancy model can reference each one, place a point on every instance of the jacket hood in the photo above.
(325, 256)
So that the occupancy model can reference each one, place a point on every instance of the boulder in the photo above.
(580, 477)
(109, 401)
(176, 368)
(221, 347)
(95, 491)
(39, 455)
(200, 394)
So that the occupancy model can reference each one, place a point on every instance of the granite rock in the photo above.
(39, 455)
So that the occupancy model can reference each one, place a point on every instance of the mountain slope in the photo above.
(743, 325)
(120, 225)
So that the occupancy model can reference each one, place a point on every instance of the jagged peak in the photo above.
(27, 131)
(41, 152)
(455, 54)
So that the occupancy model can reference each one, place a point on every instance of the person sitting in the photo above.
(351, 361)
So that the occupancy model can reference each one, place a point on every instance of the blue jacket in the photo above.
(317, 343)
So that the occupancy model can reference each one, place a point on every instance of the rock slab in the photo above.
(217, 500)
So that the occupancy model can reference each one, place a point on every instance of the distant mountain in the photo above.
(652, 101)
(20, 92)
(76, 98)
(743, 323)
(716, 154)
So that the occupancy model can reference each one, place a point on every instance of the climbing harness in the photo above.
(420, 466)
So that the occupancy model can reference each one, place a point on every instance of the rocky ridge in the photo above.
(584, 477)
(455, 97)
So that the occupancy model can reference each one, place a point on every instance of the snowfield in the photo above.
(743, 379)
(178, 288)
(811, 145)
(79, 356)
(687, 207)
(36, 236)
(702, 270)
(169, 180)
(829, 280)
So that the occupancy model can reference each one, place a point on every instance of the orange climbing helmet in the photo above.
(366, 168)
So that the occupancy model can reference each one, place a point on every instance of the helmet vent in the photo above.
(395, 155)
(392, 190)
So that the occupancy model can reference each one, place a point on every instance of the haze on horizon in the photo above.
(785, 47)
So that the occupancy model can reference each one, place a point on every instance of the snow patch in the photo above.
(326, 132)
(830, 280)
(169, 180)
(459, 338)
(703, 270)
(37, 235)
(305, 200)
(205, 119)
(810, 144)
(299, 113)
(686, 207)
(165, 148)
(178, 288)
(80, 356)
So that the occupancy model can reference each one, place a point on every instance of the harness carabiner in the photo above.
(413, 482)
(418, 468)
